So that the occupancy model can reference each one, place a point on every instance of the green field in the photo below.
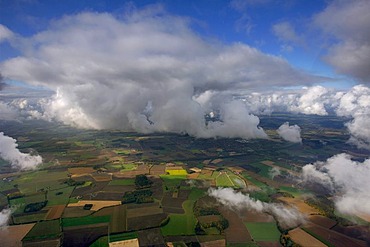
(228, 179)
(44, 230)
(263, 231)
(181, 224)
(55, 198)
(254, 181)
(86, 220)
(293, 191)
(37, 180)
(29, 218)
(172, 182)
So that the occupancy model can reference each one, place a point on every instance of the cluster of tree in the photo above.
(286, 241)
(142, 181)
(87, 206)
(203, 211)
(325, 206)
(221, 223)
(72, 182)
(138, 196)
(34, 207)
(15, 195)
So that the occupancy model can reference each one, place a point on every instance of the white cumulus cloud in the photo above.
(106, 71)
(287, 217)
(291, 133)
(9, 152)
(5, 216)
(350, 180)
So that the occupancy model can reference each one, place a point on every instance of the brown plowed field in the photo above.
(151, 237)
(236, 232)
(55, 212)
(322, 221)
(158, 170)
(118, 217)
(13, 235)
(336, 239)
(107, 196)
(192, 176)
(304, 239)
(102, 177)
(80, 170)
(253, 216)
(145, 211)
(145, 222)
(83, 236)
(268, 244)
(208, 219)
(75, 212)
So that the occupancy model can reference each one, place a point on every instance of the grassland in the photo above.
(181, 224)
(86, 220)
(172, 182)
(44, 230)
(263, 231)
(127, 181)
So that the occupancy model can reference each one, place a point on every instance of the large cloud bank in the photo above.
(353, 103)
(348, 178)
(9, 152)
(291, 133)
(287, 217)
(143, 72)
(348, 23)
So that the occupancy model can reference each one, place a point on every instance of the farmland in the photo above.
(89, 188)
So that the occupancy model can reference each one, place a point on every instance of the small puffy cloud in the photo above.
(274, 171)
(9, 152)
(348, 22)
(287, 217)
(5, 216)
(350, 180)
(291, 133)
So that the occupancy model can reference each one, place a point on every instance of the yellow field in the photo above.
(176, 172)
(301, 205)
(96, 204)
